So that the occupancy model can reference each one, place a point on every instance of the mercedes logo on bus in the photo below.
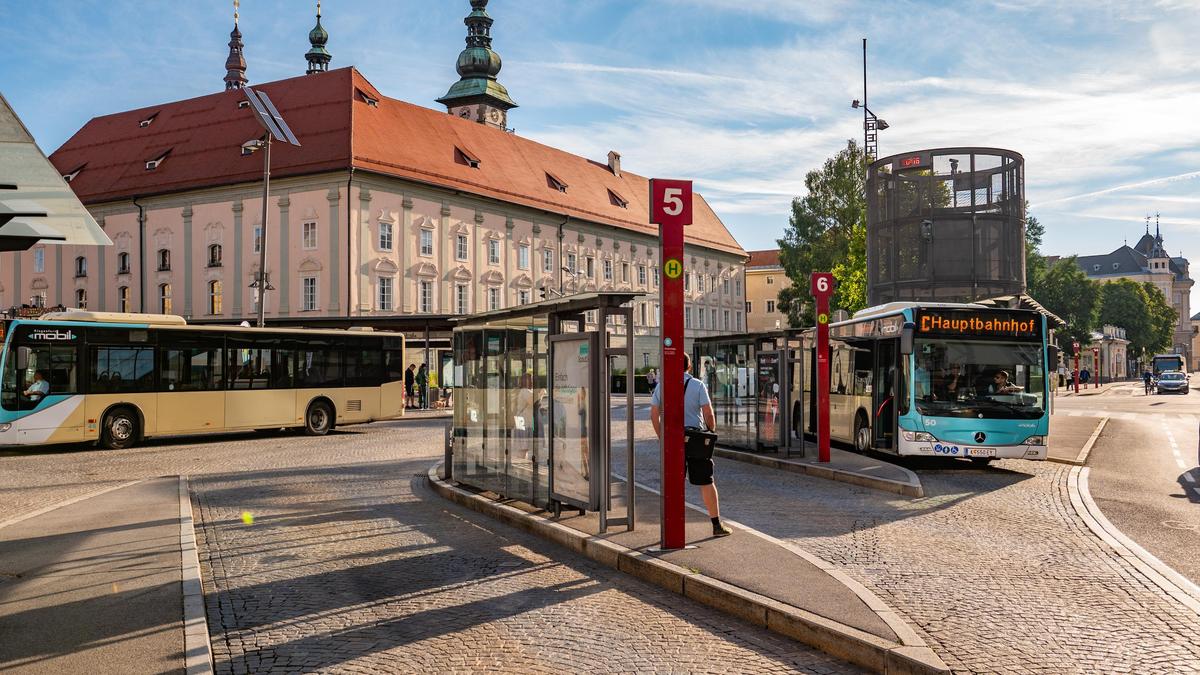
(980, 437)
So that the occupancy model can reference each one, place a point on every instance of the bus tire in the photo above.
(318, 419)
(120, 429)
(862, 433)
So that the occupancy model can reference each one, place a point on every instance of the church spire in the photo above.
(235, 63)
(477, 95)
(318, 57)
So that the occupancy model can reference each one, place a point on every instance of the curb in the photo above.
(912, 488)
(838, 640)
(1171, 582)
(68, 502)
(1081, 458)
(197, 649)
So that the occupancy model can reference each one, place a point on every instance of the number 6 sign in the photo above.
(822, 291)
(822, 284)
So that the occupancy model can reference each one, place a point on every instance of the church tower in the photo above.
(235, 64)
(477, 95)
(318, 57)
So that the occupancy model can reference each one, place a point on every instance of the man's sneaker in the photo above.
(719, 530)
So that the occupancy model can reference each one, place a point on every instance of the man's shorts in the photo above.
(698, 471)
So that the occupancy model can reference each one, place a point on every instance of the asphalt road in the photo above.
(1144, 474)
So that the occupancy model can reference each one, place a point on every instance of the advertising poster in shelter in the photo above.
(571, 418)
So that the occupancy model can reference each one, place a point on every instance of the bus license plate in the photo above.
(981, 452)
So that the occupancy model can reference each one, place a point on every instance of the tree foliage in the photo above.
(1124, 303)
(827, 231)
(1163, 318)
(1065, 290)
(1035, 263)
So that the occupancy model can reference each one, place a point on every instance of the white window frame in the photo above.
(216, 297)
(309, 235)
(548, 260)
(462, 299)
(426, 242)
(770, 307)
(641, 275)
(655, 276)
(589, 266)
(385, 236)
(122, 298)
(385, 294)
(425, 296)
(462, 248)
(523, 296)
(493, 251)
(493, 298)
(687, 317)
(308, 294)
(608, 275)
(165, 305)
(523, 257)
(81, 298)
(39, 260)
(572, 263)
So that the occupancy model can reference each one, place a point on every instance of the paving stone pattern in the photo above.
(992, 566)
(351, 564)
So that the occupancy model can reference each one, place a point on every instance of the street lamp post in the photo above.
(575, 274)
(271, 121)
(872, 124)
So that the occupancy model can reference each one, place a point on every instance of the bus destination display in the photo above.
(979, 324)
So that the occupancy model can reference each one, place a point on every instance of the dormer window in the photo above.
(71, 176)
(367, 98)
(465, 158)
(554, 183)
(1095, 268)
(243, 104)
(154, 163)
(146, 122)
(1116, 266)
(617, 200)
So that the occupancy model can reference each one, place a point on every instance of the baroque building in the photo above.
(764, 279)
(386, 210)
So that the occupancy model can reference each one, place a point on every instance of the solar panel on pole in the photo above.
(283, 126)
(264, 118)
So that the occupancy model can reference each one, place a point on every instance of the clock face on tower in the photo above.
(494, 116)
(464, 113)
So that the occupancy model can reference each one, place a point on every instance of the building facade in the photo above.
(1148, 261)
(386, 209)
(764, 279)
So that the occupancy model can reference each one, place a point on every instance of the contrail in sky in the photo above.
(1119, 188)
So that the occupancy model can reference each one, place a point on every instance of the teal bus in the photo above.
(936, 379)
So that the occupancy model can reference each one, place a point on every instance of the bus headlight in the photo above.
(1035, 440)
(916, 436)
(5, 427)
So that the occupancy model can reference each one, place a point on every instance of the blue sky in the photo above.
(744, 96)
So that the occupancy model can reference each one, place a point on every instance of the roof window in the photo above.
(154, 163)
(146, 122)
(1116, 266)
(243, 104)
(71, 175)
(465, 158)
(554, 183)
(367, 98)
(1095, 268)
(617, 200)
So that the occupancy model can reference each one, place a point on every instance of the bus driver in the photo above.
(39, 388)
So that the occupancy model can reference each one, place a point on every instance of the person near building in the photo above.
(1147, 380)
(423, 387)
(697, 413)
(410, 381)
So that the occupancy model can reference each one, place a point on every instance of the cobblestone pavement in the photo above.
(351, 564)
(992, 566)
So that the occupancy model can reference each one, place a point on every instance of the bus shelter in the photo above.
(755, 381)
(532, 412)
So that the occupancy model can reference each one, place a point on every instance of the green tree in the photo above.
(1124, 303)
(1035, 263)
(827, 231)
(1163, 318)
(1066, 291)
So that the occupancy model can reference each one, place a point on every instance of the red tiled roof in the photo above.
(339, 130)
(768, 258)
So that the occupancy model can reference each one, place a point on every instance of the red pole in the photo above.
(1076, 345)
(822, 290)
(1096, 361)
(671, 208)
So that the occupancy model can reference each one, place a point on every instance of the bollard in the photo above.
(448, 462)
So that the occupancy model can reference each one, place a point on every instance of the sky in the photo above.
(742, 96)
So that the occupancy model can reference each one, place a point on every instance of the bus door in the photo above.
(884, 393)
(770, 412)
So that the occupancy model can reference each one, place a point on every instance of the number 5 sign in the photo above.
(670, 202)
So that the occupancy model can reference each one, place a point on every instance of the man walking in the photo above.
(423, 386)
(697, 413)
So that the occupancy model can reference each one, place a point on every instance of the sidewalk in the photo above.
(749, 575)
(1090, 389)
(95, 586)
(1071, 438)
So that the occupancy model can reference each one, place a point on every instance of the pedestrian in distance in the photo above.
(697, 414)
(423, 386)
(1147, 380)
(410, 381)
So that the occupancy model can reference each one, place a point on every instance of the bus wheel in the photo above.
(120, 429)
(319, 419)
(862, 434)
(981, 462)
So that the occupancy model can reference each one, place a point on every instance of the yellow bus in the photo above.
(117, 379)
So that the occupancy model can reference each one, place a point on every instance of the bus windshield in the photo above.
(977, 378)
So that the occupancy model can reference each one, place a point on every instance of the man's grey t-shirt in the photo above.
(695, 397)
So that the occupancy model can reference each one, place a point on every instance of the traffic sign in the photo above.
(821, 285)
(671, 210)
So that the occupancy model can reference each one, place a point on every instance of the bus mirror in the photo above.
(22, 358)
(906, 338)
(1052, 356)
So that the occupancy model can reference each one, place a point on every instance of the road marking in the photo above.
(1180, 463)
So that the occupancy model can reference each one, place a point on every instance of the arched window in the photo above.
(214, 296)
(81, 298)
(122, 263)
(81, 266)
(164, 259)
(123, 299)
(214, 255)
(164, 298)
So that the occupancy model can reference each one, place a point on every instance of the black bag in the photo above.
(698, 443)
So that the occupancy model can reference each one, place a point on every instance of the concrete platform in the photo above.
(95, 586)
(749, 575)
(1072, 438)
(847, 467)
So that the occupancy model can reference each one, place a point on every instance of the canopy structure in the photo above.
(36, 204)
